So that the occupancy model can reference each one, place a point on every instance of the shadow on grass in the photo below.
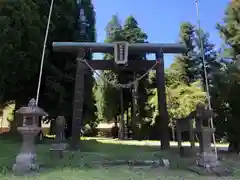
(84, 160)
(93, 154)
(90, 156)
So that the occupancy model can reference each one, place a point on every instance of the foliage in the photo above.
(186, 62)
(191, 63)
(59, 68)
(21, 40)
(184, 77)
(230, 29)
(226, 84)
(115, 32)
(181, 97)
(89, 108)
(211, 62)
(22, 31)
(23, 26)
(106, 95)
(133, 34)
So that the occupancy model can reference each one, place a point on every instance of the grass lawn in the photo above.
(81, 165)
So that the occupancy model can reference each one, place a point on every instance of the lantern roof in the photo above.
(31, 109)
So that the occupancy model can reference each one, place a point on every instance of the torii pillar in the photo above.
(162, 104)
(77, 120)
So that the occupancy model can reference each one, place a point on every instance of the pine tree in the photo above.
(187, 62)
(212, 63)
(230, 31)
(109, 96)
(191, 63)
(115, 32)
(134, 34)
(227, 81)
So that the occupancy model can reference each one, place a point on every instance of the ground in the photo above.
(89, 163)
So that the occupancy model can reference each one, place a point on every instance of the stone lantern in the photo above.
(26, 159)
(207, 158)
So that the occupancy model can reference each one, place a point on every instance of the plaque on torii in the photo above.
(121, 53)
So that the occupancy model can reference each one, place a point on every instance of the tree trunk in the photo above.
(121, 122)
(135, 129)
(68, 128)
(1, 119)
(52, 127)
(127, 124)
(173, 134)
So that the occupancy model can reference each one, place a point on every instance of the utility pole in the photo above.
(205, 71)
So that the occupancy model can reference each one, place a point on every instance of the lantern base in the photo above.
(25, 162)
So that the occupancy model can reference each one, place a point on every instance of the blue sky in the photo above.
(161, 19)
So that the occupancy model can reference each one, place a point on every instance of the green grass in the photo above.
(81, 165)
(118, 173)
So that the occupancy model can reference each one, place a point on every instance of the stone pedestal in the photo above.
(60, 126)
(207, 157)
(26, 159)
(60, 145)
(208, 160)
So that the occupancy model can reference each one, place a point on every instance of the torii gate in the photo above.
(136, 48)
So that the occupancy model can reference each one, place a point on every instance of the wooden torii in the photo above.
(139, 65)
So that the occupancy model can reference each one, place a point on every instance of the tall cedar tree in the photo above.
(131, 33)
(227, 84)
(21, 37)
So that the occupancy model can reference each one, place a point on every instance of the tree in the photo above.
(187, 63)
(109, 96)
(182, 97)
(134, 34)
(230, 29)
(227, 81)
(212, 63)
(185, 78)
(191, 62)
(115, 32)
(89, 108)
(21, 40)
(57, 87)
(24, 25)
(60, 68)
